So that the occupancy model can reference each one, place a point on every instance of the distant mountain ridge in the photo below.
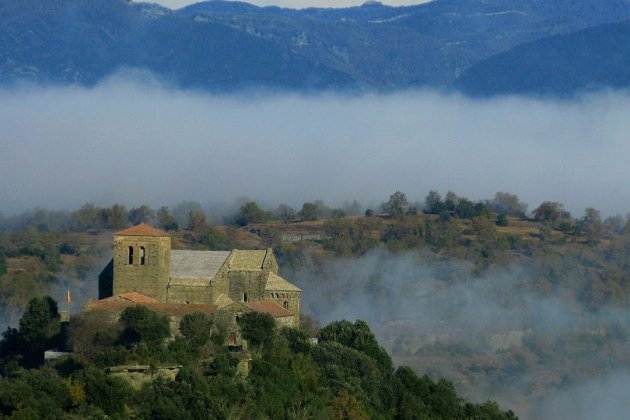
(221, 46)
(587, 60)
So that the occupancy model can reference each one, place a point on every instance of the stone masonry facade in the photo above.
(238, 280)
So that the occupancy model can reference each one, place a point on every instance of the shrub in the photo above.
(104, 391)
(257, 328)
(142, 324)
(196, 328)
(359, 337)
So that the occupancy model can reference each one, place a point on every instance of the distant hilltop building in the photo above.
(145, 270)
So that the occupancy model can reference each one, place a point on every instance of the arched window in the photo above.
(130, 255)
(143, 255)
(244, 297)
(285, 304)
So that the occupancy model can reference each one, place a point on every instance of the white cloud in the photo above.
(130, 142)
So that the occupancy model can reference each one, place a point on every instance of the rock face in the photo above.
(221, 46)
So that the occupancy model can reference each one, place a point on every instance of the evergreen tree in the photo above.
(39, 329)
(142, 324)
(3, 264)
(166, 220)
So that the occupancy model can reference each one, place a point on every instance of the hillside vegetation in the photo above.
(347, 375)
(508, 304)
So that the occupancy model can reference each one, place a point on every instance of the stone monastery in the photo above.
(145, 270)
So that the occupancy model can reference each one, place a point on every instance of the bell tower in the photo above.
(141, 263)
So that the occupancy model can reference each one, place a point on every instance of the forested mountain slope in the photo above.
(591, 59)
(228, 45)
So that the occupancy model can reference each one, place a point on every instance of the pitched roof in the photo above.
(179, 309)
(141, 230)
(247, 260)
(127, 297)
(121, 302)
(269, 307)
(277, 283)
(196, 264)
(222, 301)
(136, 297)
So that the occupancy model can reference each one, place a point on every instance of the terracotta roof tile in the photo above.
(126, 300)
(269, 307)
(136, 297)
(108, 305)
(141, 230)
(179, 309)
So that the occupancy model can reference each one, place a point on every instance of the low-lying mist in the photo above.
(494, 335)
(136, 142)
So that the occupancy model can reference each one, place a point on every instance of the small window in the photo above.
(143, 255)
(244, 297)
(285, 304)
(130, 255)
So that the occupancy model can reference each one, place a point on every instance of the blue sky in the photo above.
(296, 3)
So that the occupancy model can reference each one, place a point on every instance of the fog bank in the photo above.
(496, 336)
(136, 142)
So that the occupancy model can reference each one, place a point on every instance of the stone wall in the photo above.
(250, 283)
(287, 300)
(187, 293)
(150, 278)
(270, 264)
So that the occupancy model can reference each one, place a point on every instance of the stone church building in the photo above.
(145, 270)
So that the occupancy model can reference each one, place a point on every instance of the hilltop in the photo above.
(506, 303)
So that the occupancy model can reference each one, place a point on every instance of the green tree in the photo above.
(359, 337)
(465, 209)
(87, 217)
(285, 213)
(591, 225)
(349, 237)
(197, 221)
(615, 224)
(166, 220)
(346, 407)
(196, 328)
(397, 204)
(39, 328)
(107, 392)
(142, 214)
(433, 203)
(451, 200)
(216, 240)
(407, 234)
(502, 220)
(310, 212)
(257, 328)
(510, 204)
(142, 324)
(3, 264)
(118, 217)
(34, 394)
(251, 212)
(549, 211)
(182, 211)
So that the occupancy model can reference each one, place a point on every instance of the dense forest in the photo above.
(507, 303)
(346, 375)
